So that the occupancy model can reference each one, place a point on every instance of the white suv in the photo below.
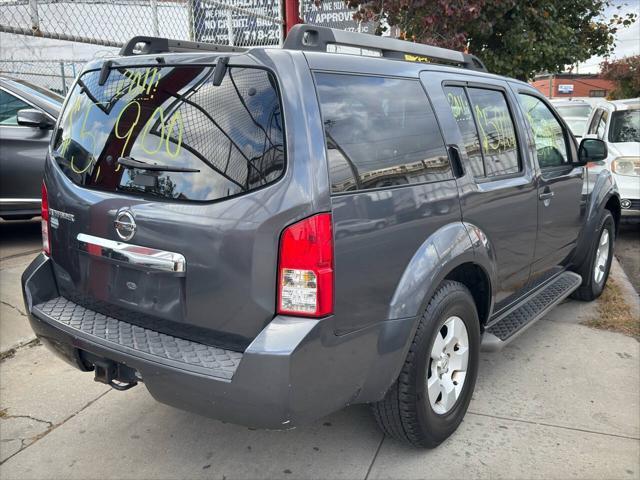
(618, 123)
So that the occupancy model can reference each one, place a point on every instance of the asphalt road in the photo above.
(628, 250)
(19, 238)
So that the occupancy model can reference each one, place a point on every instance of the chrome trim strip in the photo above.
(20, 200)
(135, 255)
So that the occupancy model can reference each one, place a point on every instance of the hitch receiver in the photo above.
(114, 374)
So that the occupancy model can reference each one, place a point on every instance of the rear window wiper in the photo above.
(129, 162)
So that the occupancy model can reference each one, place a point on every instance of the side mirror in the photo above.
(591, 150)
(32, 117)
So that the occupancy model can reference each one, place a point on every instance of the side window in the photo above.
(594, 122)
(497, 132)
(9, 106)
(602, 125)
(464, 118)
(381, 132)
(548, 134)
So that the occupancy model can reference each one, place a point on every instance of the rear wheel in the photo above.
(596, 267)
(431, 395)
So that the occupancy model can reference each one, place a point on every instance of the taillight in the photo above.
(305, 268)
(44, 213)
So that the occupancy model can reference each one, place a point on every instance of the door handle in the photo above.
(546, 195)
(456, 160)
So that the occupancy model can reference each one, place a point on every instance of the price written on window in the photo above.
(494, 126)
(167, 141)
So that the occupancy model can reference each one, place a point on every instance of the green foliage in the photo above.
(513, 37)
(626, 75)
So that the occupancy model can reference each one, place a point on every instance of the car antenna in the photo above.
(220, 71)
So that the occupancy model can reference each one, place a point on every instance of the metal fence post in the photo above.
(230, 26)
(191, 19)
(292, 15)
(154, 17)
(64, 78)
(33, 14)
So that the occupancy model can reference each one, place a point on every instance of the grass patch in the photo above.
(614, 313)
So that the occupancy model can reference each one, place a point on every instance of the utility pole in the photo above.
(291, 14)
(550, 85)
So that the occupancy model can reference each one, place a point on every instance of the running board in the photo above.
(516, 321)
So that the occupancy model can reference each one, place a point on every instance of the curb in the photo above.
(630, 295)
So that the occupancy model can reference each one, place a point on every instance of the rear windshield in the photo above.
(574, 110)
(625, 126)
(204, 142)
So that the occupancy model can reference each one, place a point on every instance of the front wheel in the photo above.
(595, 268)
(432, 393)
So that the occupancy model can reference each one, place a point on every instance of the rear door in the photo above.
(498, 189)
(166, 204)
(391, 181)
(561, 206)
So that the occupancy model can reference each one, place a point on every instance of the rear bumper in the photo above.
(295, 371)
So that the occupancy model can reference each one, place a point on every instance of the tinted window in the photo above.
(625, 126)
(497, 132)
(464, 117)
(548, 134)
(594, 121)
(602, 125)
(9, 106)
(230, 137)
(381, 132)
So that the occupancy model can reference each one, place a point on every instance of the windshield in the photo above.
(574, 110)
(207, 142)
(625, 126)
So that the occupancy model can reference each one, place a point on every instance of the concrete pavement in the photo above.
(562, 401)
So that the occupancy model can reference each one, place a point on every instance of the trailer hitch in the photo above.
(116, 375)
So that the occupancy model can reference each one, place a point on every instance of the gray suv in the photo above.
(265, 236)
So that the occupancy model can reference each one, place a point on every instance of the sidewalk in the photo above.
(562, 401)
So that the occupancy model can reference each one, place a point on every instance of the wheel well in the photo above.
(476, 280)
(613, 205)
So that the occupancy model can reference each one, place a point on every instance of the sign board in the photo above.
(334, 14)
(248, 24)
(565, 88)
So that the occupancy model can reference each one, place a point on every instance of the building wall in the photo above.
(582, 86)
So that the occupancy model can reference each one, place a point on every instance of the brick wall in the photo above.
(583, 86)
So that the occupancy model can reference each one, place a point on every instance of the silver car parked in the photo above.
(27, 116)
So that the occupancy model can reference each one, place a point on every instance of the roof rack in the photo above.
(152, 45)
(324, 39)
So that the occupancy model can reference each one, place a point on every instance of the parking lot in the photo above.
(563, 401)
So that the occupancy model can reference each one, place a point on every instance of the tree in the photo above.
(625, 73)
(512, 37)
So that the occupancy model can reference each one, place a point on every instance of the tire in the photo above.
(406, 412)
(592, 287)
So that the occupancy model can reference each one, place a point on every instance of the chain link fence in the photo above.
(53, 75)
(112, 22)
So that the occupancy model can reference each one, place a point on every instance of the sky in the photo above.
(627, 39)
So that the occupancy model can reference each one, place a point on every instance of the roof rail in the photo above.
(153, 45)
(324, 39)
